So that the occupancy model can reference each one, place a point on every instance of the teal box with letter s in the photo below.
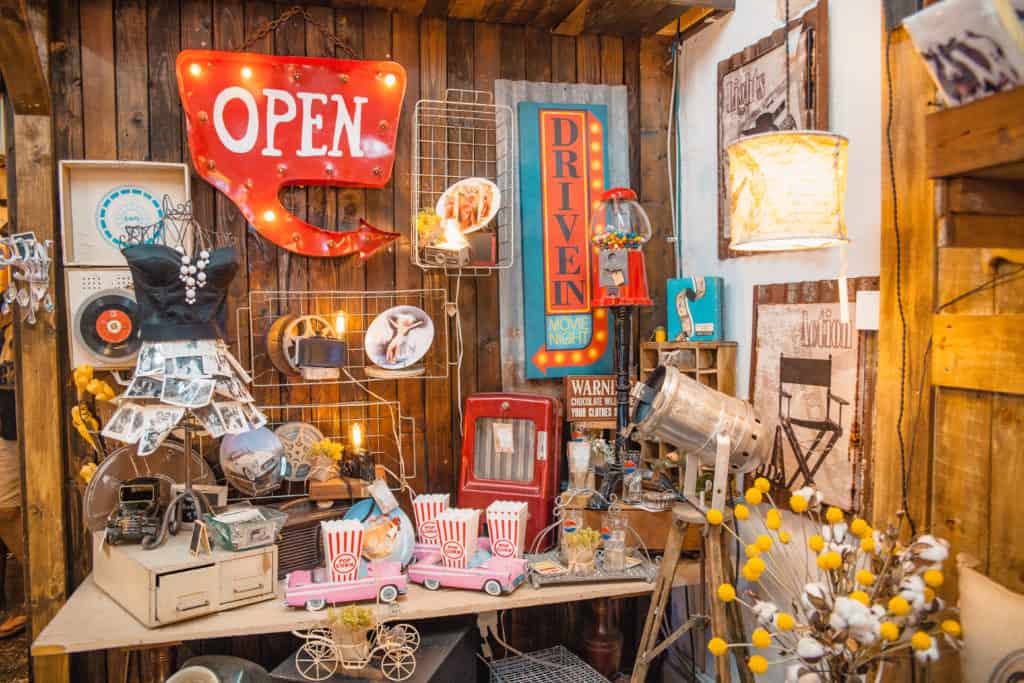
(695, 309)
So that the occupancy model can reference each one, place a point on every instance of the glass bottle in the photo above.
(632, 483)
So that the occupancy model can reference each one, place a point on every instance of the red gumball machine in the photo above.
(619, 228)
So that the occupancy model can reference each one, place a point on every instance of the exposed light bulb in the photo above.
(269, 215)
(195, 69)
(357, 436)
(339, 322)
(246, 72)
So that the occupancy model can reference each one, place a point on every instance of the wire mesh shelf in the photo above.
(465, 135)
(269, 325)
(553, 665)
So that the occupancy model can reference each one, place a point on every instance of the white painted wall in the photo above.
(855, 108)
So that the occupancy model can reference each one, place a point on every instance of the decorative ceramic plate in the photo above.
(399, 337)
(473, 202)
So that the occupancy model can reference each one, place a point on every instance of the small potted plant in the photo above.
(581, 549)
(351, 626)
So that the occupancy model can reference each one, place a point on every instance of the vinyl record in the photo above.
(107, 324)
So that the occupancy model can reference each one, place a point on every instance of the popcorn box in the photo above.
(458, 528)
(343, 544)
(506, 526)
(427, 507)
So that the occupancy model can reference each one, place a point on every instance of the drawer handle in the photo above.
(249, 589)
(204, 603)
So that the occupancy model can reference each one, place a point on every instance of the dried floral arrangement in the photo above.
(865, 601)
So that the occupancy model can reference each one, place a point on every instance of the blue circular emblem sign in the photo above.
(124, 206)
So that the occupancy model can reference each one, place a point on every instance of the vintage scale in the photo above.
(619, 228)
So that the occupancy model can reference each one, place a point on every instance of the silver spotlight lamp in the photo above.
(710, 427)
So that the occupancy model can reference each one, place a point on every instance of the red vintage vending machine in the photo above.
(511, 451)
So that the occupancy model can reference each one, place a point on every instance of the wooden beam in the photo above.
(982, 139)
(980, 352)
(912, 90)
(977, 230)
(990, 197)
(23, 73)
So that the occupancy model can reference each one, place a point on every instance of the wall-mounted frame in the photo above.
(751, 93)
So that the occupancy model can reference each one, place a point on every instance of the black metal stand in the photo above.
(174, 514)
(623, 341)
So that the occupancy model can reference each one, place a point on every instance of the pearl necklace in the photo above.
(193, 275)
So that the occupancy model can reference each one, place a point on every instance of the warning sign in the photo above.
(590, 398)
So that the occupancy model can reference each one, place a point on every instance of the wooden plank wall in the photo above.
(115, 97)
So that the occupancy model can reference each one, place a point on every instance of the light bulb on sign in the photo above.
(246, 72)
(269, 215)
(195, 69)
(357, 436)
(389, 79)
(339, 323)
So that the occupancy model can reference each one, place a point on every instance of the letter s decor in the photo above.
(259, 123)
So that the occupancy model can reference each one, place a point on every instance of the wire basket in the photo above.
(465, 135)
(553, 665)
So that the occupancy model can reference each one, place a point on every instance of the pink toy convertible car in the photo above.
(494, 576)
(313, 590)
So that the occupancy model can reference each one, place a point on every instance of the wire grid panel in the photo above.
(358, 310)
(465, 135)
(553, 665)
(387, 435)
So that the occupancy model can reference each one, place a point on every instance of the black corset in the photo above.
(160, 293)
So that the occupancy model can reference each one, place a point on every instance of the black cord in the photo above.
(904, 477)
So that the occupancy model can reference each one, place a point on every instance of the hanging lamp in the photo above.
(787, 188)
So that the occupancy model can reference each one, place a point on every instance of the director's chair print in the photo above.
(813, 372)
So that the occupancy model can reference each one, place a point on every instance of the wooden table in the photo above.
(90, 620)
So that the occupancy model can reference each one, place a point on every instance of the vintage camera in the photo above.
(138, 512)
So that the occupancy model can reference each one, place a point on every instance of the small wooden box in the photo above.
(168, 584)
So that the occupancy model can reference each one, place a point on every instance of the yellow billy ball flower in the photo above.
(761, 638)
(753, 550)
(816, 543)
(785, 621)
(899, 606)
(762, 485)
(951, 627)
(889, 631)
(921, 640)
(773, 519)
(764, 542)
(797, 503)
(830, 560)
(867, 544)
(861, 597)
(757, 664)
(753, 496)
(717, 647)
(858, 527)
(865, 578)
(714, 517)
(934, 578)
(834, 515)
(742, 512)
(784, 537)
(726, 592)
(749, 575)
(757, 565)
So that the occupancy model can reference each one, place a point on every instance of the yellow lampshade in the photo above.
(787, 191)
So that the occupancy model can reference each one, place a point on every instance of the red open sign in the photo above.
(257, 123)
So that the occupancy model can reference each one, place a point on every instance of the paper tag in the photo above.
(542, 446)
(504, 437)
(613, 267)
(383, 496)
(867, 311)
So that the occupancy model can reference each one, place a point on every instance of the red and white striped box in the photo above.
(343, 545)
(458, 528)
(427, 507)
(506, 527)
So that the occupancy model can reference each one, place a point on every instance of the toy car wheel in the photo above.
(315, 605)
(492, 587)
(316, 660)
(388, 594)
(398, 664)
(431, 584)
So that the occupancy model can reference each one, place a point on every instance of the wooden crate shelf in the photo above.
(983, 139)
(710, 363)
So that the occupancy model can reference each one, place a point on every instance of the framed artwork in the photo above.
(812, 381)
(752, 94)
(563, 170)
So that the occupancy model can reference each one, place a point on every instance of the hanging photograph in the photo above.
(808, 383)
(752, 94)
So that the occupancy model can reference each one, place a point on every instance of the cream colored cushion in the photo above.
(992, 617)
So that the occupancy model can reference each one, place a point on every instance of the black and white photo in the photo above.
(189, 393)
